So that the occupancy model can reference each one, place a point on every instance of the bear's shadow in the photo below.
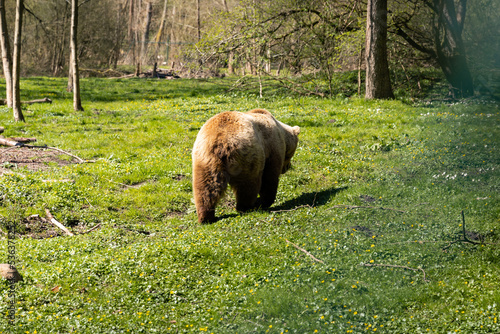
(312, 199)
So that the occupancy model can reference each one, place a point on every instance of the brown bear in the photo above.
(248, 151)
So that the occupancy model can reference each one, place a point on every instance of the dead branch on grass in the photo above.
(465, 238)
(44, 100)
(395, 266)
(343, 206)
(92, 229)
(58, 224)
(67, 153)
(80, 160)
(306, 252)
(296, 208)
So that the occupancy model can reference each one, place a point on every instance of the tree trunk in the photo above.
(145, 36)
(450, 48)
(60, 47)
(77, 103)
(198, 20)
(16, 58)
(115, 55)
(130, 33)
(161, 29)
(171, 39)
(131, 30)
(69, 88)
(378, 82)
(230, 65)
(6, 54)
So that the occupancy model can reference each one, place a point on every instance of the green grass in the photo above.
(151, 268)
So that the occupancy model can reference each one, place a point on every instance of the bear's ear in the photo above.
(296, 130)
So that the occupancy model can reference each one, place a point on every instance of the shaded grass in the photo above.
(152, 268)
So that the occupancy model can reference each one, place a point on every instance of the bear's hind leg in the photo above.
(208, 188)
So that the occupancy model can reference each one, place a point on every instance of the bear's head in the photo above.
(291, 141)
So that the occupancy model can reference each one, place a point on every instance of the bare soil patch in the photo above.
(34, 159)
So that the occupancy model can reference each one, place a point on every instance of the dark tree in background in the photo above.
(378, 81)
(450, 46)
(444, 43)
(16, 63)
(74, 73)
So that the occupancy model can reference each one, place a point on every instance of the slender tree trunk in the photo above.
(130, 33)
(171, 39)
(16, 59)
(360, 64)
(59, 59)
(115, 55)
(6, 54)
(131, 30)
(77, 103)
(230, 61)
(198, 20)
(161, 29)
(378, 82)
(69, 88)
(450, 48)
(145, 36)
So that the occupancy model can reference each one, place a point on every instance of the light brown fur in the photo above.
(248, 151)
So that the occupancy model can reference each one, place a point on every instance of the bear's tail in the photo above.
(209, 185)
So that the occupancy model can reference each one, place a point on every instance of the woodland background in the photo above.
(310, 39)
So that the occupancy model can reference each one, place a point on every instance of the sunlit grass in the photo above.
(410, 170)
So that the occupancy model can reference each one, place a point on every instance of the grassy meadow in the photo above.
(366, 234)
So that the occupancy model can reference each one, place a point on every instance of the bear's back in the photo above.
(225, 133)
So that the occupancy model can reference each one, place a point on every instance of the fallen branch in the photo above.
(306, 252)
(342, 206)
(395, 266)
(44, 100)
(58, 224)
(126, 76)
(464, 237)
(92, 229)
(67, 153)
(296, 208)
(59, 150)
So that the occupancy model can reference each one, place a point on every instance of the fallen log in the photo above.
(23, 140)
(15, 141)
(44, 100)
(10, 142)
